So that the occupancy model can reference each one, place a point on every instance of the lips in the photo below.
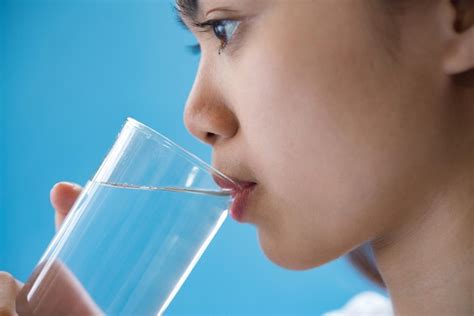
(240, 191)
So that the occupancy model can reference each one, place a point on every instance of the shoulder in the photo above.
(365, 304)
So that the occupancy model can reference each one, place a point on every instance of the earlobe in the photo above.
(460, 57)
(460, 53)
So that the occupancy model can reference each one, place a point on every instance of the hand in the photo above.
(9, 288)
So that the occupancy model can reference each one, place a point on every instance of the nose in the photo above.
(206, 114)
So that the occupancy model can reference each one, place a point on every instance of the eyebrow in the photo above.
(187, 9)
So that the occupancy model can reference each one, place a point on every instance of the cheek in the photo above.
(307, 170)
(288, 115)
(326, 138)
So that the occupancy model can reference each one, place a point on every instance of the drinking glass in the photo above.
(133, 235)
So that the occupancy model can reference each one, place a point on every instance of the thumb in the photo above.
(62, 196)
(9, 288)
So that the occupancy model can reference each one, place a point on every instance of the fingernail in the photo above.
(75, 186)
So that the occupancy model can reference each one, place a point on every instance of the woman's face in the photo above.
(333, 108)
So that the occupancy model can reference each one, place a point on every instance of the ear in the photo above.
(460, 51)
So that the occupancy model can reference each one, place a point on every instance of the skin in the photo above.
(351, 137)
(357, 124)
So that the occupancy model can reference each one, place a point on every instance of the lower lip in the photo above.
(240, 200)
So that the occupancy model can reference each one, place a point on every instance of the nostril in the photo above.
(210, 137)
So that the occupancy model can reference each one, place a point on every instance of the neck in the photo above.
(427, 265)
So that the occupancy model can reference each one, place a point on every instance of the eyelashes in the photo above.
(223, 30)
(194, 49)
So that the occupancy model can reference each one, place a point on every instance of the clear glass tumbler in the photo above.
(133, 235)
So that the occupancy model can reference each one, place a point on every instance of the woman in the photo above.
(355, 119)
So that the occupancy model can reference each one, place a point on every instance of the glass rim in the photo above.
(199, 162)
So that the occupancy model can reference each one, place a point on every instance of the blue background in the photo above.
(70, 73)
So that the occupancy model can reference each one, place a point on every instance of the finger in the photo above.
(9, 288)
(63, 195)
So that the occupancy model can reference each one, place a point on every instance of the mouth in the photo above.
(240, 191)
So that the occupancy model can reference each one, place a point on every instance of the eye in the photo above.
(222, 29)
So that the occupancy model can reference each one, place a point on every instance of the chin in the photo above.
(291, 257)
